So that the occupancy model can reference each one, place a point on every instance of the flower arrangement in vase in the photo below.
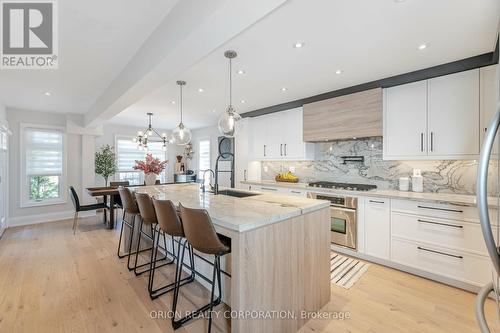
(151, 167)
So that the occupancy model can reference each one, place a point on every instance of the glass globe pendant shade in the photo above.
(181, 135)
(229, 122)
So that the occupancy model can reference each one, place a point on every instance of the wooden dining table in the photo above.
(104, 192)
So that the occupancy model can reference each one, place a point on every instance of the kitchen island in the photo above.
(279, 265)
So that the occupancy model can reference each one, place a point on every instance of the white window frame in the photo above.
(200, 172)
(141, 174)
(24, 186)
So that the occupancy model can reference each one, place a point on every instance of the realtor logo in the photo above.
(29, 34)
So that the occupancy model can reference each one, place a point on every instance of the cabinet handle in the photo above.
(285, 149)
(432, 141)
(281, 149)
(376, 201)
(264, 150)
(439, 252)
(244, 175)
(268, 189)
(439, 223)
(443, 209)
(298, 192)
(421, 141)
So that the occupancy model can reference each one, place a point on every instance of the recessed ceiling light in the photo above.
(298, 45)
(243, 101)
(399, 1)
(240, 71)
(173, 102)
(338, 71)
(47, 93)
(200, 89)
(284, 89)
(422, 47)
(213, 111)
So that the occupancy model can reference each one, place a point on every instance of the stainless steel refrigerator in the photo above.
(489, 166)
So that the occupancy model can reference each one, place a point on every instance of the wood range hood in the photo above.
(357, 115)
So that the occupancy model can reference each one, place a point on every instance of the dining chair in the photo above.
(83, 208)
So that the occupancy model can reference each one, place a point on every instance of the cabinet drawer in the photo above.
(448, 233)
(299, 193)
(441, 210)
(269, 189)
(470, 268)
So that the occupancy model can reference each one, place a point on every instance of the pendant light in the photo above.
(230, 120)
(181, 134)
(149, 135)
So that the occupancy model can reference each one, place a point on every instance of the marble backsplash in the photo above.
(447, 176)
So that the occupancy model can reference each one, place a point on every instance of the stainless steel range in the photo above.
(343, 220)
(343, 186)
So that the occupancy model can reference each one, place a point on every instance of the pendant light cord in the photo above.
(230, 82)
(181, 103)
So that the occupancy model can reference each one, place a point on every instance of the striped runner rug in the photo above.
(345, 271)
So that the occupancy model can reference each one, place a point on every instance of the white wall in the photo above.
(3, 114)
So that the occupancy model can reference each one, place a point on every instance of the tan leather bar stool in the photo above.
(148, 217)
(129, 208)
(169, 223)
(201, 235)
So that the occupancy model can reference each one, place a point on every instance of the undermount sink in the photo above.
(237, 194)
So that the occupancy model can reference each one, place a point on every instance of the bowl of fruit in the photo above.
(287, 177)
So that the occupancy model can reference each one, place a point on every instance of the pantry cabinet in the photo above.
(433, 119)
(278, 136)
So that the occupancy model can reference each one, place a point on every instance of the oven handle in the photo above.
(344, 209)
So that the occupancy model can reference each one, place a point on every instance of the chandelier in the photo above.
(150, 135)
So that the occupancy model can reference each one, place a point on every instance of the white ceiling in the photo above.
(367, 40)
(96, 40)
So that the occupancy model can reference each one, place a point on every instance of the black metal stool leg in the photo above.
(178, 323)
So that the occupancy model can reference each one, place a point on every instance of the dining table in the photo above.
(105, 192)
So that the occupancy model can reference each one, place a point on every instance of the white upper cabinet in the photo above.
(405, 120)
(453, 115)
(433, 119)
(278, 136)
(489, 97)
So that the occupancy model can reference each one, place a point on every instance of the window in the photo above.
(43, 166)
(127, 153)
(203, 158)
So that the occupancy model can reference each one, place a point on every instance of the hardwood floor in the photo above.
(52, 281)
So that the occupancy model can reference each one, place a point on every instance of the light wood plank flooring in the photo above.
(52, 281)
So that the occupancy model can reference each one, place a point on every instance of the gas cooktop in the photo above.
(343, 186)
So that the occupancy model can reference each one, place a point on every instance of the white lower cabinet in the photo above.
(378, 227)
(276, 189)
(453, 264)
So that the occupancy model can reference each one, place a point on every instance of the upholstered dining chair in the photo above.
(82, 208)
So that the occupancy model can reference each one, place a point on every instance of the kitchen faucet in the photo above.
(203, 178)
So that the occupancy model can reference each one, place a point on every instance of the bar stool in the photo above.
(169, 223)
(130, 207)
(201, 235)
(148, 217)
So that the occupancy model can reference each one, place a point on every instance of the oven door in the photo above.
(343, 227)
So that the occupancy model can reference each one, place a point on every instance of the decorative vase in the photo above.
(150, 179)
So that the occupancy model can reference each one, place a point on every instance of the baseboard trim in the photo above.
(44, 218)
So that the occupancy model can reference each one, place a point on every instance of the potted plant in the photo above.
(151, 167)
(105, 162)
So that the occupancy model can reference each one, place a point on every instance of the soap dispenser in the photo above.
(417, 181)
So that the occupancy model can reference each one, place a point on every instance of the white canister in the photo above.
(404, 184)
(417, 181)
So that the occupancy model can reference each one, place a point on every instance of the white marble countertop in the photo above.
(238, 214)
(462, 199)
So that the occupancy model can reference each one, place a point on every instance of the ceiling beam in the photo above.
(189, 32)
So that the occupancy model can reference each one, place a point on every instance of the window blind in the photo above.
(127, 153)
(204, 155)
(44, 152)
